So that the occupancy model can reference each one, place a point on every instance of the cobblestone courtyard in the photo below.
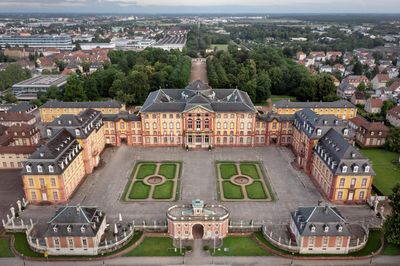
(291, 188)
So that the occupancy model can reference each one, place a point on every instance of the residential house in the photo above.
(359, 98)
(373, 106)
(368, 134)
(393, 116)
(379, 81)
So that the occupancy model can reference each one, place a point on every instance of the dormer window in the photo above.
(313, 228)
(49, 133)
(367, 168)
(326, 228)
(344, 169)
(51, 169)
(83, 229)
(355, 168)
(339, 228)
(319, 132)
(55, 229)
(28, 169)
(69, 228)
(39, 168)
(77, 132)
(345, 132)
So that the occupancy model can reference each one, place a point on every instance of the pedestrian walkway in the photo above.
(199, 70)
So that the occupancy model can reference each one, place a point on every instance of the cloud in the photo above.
(122, 2)
(42, 3)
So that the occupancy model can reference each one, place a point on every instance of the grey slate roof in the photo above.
(270, 116)
(336, 152)
(75, 218)
(335, 104)
(58, 152)
(198, 94)
(122, 115)
(60, 104)
(22, 107)
(319, 217)
(310, 123)
(86, 122)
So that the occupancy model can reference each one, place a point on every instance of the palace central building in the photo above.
(198, 116)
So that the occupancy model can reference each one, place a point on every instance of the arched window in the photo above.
(28, 168)
(39, 168)
(51, 169)
(198, 123)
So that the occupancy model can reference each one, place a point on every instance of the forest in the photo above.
(129, 78)
(263, 71)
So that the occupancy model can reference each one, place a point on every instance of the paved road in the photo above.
(234, 261)
(199, 70)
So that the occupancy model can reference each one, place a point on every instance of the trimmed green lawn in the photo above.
(146, 170)
(240, 246)
(220, 47)
(139, 191)
(249, 169)
(373, 244)
(5, 250)
(277, 98)
(228, 170)
(256, 191)
(22, 246)
(154, 246)
(387, 173)
(232, 191)
(168, 170)
(391, 250)
(164, 191)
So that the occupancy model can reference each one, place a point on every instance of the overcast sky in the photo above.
(202, 6)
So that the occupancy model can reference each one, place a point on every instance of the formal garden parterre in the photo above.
(154, 181)
(242, 181)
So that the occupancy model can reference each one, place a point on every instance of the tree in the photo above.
(393, 140)
(361, 87)
(391, 227)
(263, 90)
(90, 88)
(10, 98)
(86, 67)
(387, 105)
(53, 92)
(74, 90)
(358, 68)
(61, 65)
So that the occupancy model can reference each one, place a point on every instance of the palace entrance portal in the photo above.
(198, 231)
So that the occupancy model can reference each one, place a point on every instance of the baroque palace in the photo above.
(201, 117)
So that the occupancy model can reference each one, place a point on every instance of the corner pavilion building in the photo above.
(198, 117)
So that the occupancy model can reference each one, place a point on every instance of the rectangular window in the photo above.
(55, 195)
(361, 195)
(84, 242)
(340, 195)
(41, 181)
(342, 180)
(190, 139)
(31, 184)
(70, 243)
(339, 241)
(364, 182)
(56, 242)
(33, 195)
(198, 123)
(53, 182)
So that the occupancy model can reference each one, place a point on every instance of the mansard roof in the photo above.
(337, 153)
(198, 94)
(335, 104)
(312, 221)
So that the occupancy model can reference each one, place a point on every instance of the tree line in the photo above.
(129, 78)
(263, 71)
